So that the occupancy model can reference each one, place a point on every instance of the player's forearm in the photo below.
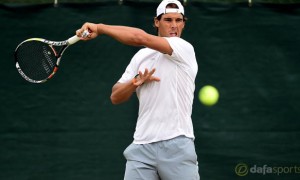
(121, 92)
(124, 34)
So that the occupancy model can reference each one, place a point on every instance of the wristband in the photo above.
(134, 79)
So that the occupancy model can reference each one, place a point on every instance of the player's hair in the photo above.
(171, 5)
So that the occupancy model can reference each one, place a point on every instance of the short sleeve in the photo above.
(183, 53)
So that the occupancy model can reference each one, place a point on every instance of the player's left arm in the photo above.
(121, 92)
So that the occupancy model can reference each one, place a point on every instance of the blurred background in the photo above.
(67, 128)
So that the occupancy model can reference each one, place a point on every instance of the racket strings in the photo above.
(48, 64)
(36, 59)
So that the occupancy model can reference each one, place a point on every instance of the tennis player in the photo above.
(163, 76)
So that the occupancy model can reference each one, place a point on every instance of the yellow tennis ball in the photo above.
(208, 95)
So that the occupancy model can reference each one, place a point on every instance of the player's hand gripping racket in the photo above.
(37, 59)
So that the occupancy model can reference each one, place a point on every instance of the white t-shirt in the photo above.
(165, 107)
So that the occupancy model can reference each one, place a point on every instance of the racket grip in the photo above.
(73, 40)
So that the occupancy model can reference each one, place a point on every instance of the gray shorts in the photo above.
(173, 159)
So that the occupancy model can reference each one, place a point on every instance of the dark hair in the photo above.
(171, 5)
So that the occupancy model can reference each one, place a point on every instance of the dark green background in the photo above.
(67, 128)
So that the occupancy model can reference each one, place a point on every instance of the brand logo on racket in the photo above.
(61, 43)
(25, 77)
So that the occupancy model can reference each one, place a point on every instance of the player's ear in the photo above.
(156, 22)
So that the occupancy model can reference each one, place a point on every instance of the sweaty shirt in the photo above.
(165, 107)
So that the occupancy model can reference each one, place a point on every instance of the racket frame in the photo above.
(63, 44)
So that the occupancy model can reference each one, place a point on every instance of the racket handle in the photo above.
(75, 38)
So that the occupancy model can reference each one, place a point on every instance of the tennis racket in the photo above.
(37, 59)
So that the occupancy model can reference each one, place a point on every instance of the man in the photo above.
(163, 76)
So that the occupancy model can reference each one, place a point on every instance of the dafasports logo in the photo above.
(242, 169)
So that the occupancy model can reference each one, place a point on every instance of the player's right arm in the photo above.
(127, 35)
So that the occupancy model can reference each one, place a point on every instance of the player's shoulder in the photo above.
(179, 40)
(178, 43)
(145, 51)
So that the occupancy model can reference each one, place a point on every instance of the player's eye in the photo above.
(179, 20)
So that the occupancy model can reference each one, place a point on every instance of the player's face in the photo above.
(170, 25)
